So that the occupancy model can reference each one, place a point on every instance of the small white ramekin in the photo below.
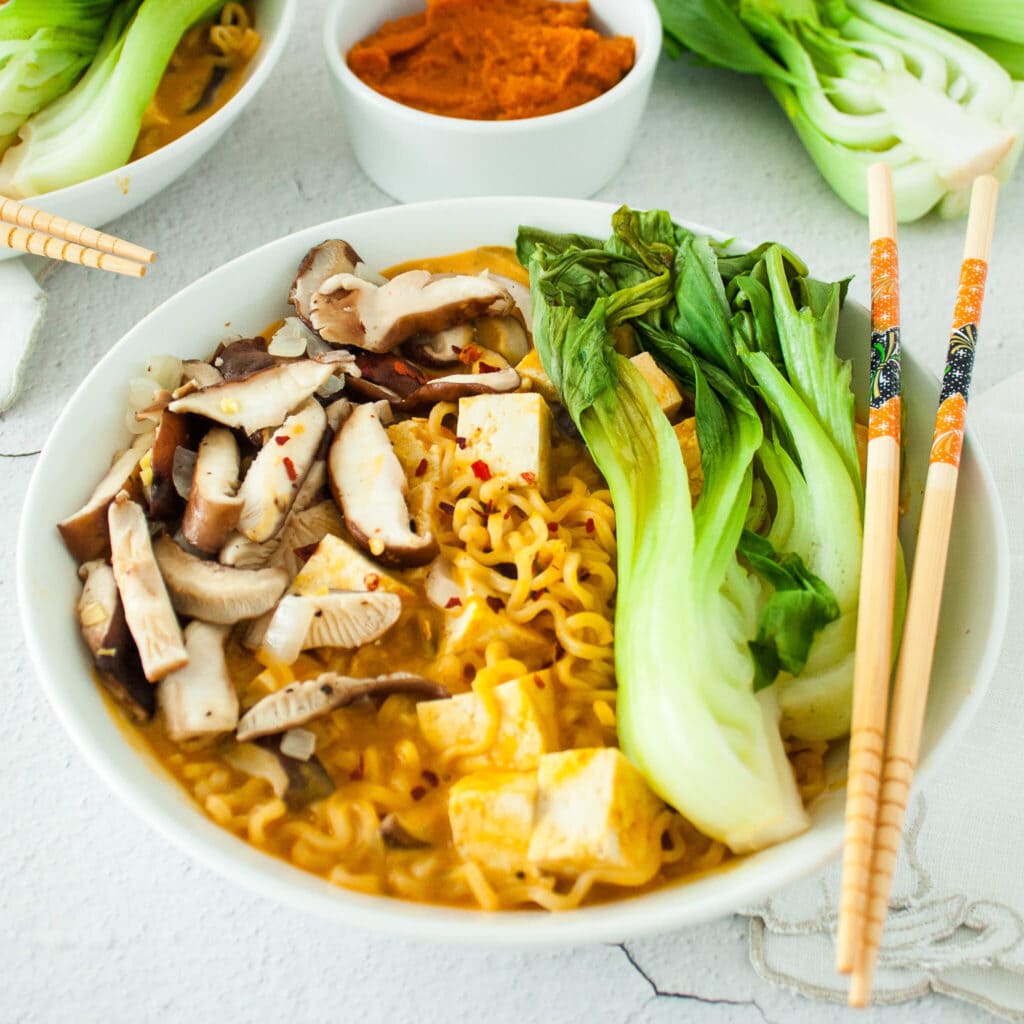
(413, 155)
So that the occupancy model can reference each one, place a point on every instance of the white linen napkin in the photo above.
(22, 304)
(956, 921)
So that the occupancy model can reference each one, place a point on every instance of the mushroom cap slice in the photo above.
(85, 533)
(213, 592)
(341, 618)
(441, 348)
(301, 702)
(346, 310)
(454, 386)
(368, 482)
(199, 700)
(321, 262)
(105, 631)
(262, 400)
(172, 433)
(213, 504)
(147, 605)
(278, 471)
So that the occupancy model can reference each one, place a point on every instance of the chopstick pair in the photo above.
(882, 760)
(45, 234)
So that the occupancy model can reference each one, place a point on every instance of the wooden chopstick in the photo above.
(917, 649)
(13, 212)
(873, 665)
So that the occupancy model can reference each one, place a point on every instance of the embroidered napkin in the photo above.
(956, 919)
(22, 303)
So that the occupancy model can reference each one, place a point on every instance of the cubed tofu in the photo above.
(527, 725)
(491, 814)
(337, 565)
(530, 368)
(476, 625)
(594, 810)
(510, 434)
(663, 386)
(686, 435)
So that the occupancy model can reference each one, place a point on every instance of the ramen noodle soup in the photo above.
(369, 566)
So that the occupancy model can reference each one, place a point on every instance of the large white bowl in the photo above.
(250, 292)
(413, 155)
(109, 196)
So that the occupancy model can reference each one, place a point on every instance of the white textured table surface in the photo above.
(100, 918)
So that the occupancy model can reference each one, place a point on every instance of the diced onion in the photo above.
(166, 371)
(298, 743)
(253, 760)
(291, 340)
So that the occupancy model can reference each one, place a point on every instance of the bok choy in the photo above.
(862, 81)
(92, 129)
(44, 46)
(688, 715)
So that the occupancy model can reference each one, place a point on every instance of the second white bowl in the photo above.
(413, 155)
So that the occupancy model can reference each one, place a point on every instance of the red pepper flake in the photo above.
(529, 478)
(305, 553)
(289, 468)
(591, 526)
(495, 604)
(430, 777)
(421, 468)
(461, 442)
(535, 595)
(418, 792)
(447, 507)
(282, 439)
(470, 354)
(538, 682)
(481, 470)
(507, 515)
(486, 368)
(552, 527)
(404, 369)
(454, 602)
(371, 581)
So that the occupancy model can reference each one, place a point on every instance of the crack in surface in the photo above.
(660, 993)
(19, 455)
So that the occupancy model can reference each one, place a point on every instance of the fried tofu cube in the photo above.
(530, 368)
(527, 725)
(491, 814)
(507, 436)
(594, 810)
(420, 458)
(476, 625)
(686, 435)
(337, 565)
(664, 387)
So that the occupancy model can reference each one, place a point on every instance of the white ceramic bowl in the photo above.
(250, 292)
(105, 198)
(413, 155)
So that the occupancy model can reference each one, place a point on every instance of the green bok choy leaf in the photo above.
(92, 129)
(688, 715)
(862, 81)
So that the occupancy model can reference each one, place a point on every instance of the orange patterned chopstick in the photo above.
(878, 569)
(917, 649)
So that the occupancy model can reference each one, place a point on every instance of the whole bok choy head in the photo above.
(44, 46)
(862, 81)
(724, 614)
(687, 713)
(92, 129)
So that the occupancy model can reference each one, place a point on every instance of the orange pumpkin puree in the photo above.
(492, 60)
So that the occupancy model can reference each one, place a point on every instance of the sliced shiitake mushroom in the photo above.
(213, 592)
(302, 702)
(369, 484)
(262, 400)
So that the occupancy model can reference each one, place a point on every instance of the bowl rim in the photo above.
(267, 56)
(648, 51)
(238, 861)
